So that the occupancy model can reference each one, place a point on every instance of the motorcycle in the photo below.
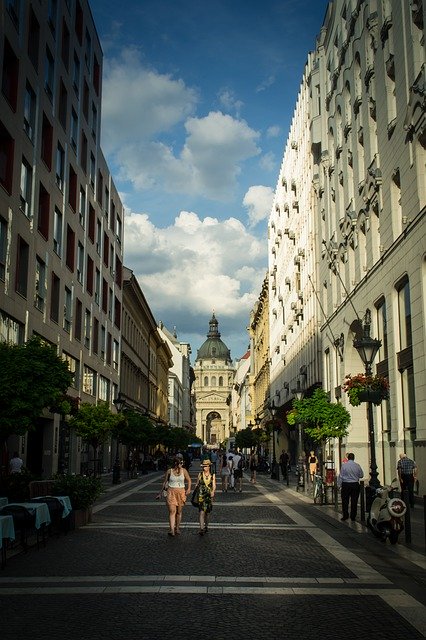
(386, 514)
(263, 466)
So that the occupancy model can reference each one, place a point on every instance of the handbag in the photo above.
(195, 496)
(164, 493)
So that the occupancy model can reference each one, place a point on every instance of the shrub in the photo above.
(83, 491)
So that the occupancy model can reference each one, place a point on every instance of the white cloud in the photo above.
(274, 131)
(267, 82)
(268, 162)
(258, 200)
(195, 265)
(229, 101)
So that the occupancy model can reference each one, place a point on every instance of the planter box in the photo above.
(79, 518)
(370, 395)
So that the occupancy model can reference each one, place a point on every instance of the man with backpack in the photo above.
(237, 468)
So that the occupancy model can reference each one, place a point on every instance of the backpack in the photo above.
(240, 463)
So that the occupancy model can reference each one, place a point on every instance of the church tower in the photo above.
(214, 376)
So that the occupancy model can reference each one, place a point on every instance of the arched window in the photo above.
(206, 381)
(220, 381)
(213, 381)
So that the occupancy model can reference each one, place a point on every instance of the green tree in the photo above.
(321, 418)
(94, 423)
(34, 377)
(134, 429)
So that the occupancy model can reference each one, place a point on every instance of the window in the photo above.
(106, 249)
(97, 286)
(91, 224)
(80, 263)
(52, 10)
(33, 39)
(29, 111)
(382, 329)
(72, 189)
(3, 248)
(92, 170)
(95, 336)
(104, 386)
(89, 381)
(13, 9)
(63, 105)
(106, 202)
(110, 304)
(65, 45)
(117, 313)
(22, 262)
(67, 310)
(82, 207)
(116, 354)
(118, 271)
(7, 147)
(78, 24)
(104, 295)
(74, 367)
(76, 75)
(94, 121)
(46, 142)
(100, 188)
(206, 381)
(86, 101)
(103, 342)
(109, 348)
(220, 381)
(98, 237)
(87, 49)
(26, 187)
(49, 67)
(404, 315)
(10, 75)
(96, 75)
(87, 327)
(54, 298)
(70, 248)
(83, 152)
(10, 330)
(118, 229)
(74, 130)
(60, 166)
(43, 212)
(78, 312)
(89, 275)
(40, 284)
(57, 232)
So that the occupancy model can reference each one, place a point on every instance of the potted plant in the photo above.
(364, 388)
(82, 491)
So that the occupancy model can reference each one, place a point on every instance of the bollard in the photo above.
(362, 500)
(336, 496)
(407, 519)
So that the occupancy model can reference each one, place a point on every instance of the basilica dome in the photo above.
(214, 348)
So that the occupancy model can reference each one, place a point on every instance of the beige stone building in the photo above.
(61, 219)
(364, 125)
(214, 376)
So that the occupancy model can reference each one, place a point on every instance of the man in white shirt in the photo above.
(238, 471)
(349, 477)
(16, 463)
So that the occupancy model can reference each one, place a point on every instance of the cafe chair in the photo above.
(23, 521)
(56, 509)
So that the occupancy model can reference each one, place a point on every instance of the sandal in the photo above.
(170, 533)
(177, 532)
(201, 532)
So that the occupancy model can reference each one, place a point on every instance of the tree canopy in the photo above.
(33, 378)
(94, 423)
(321, 418)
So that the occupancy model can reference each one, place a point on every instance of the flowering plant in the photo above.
(355, 386)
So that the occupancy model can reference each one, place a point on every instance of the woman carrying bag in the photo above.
(206, 484)
(174, 483)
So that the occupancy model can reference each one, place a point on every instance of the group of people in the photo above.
(351, 473)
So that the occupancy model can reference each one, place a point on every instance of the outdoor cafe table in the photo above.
(7, 531)
(41, 510)
(3, 502)
(64, 500)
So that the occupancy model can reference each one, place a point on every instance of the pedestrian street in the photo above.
(271, 565)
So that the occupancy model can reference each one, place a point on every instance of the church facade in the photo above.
(214, 376)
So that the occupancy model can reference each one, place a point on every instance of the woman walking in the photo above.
(224, 471)
(253, 465)
(174, 482)
(207, 488)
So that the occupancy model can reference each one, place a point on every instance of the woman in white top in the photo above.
(174, 482)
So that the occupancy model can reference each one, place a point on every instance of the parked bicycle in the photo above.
(319, 490)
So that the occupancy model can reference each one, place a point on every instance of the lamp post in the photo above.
(275, 473)
(367, 348)
(298, 392)
(119, 403)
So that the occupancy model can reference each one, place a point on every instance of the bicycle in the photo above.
(319, 491)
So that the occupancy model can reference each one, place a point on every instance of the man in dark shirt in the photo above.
(407, 473)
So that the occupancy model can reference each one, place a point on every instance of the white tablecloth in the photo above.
(65, 500)
(41, 510)
(7, 530)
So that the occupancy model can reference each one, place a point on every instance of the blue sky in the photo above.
(197, 102)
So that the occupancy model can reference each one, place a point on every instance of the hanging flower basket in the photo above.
(363, 388)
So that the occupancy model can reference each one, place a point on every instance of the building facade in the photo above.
(214, 377)
(61, 219)
(360, 134)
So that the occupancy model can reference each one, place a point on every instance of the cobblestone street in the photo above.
(272, 565)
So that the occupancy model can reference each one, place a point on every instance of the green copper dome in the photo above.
(214, 347)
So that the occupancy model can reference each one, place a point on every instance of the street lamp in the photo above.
(367, 348)
(275, 474)
(298, 392)
(119, 403)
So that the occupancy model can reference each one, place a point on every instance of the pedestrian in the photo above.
(224, 472)
(231, 471)
(213, 458)
(284, 458)
(348, 480)
(253, 461)
(174, 483)
(16, 463)
(407, 474)
(207, 487)
(313, 465)
(237, 467)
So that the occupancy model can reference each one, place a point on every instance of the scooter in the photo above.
(386, 514)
